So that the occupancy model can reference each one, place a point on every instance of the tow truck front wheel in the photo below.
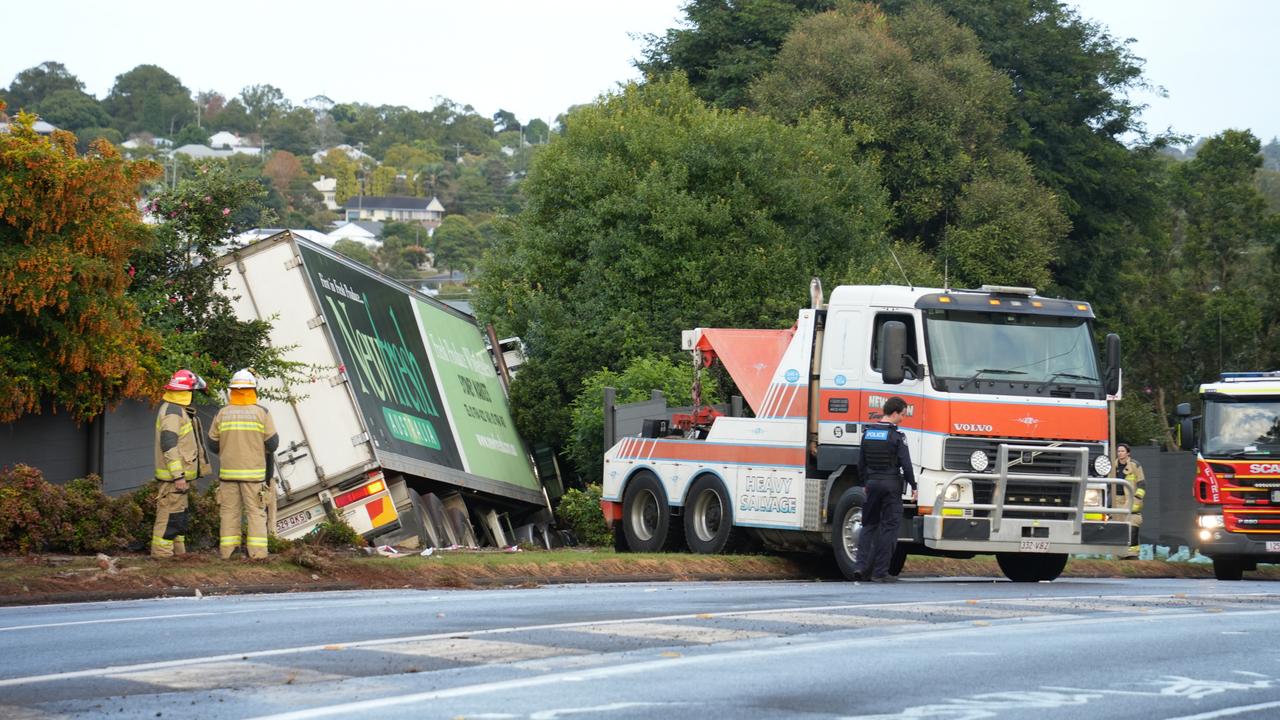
(647, 525)
(846, 529)
(1031, 567)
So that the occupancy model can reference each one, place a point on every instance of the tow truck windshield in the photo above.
(1022, 354)
(1241, 427)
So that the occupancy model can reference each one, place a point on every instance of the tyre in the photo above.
(708, 518)
(646, 516)
(1228, 568)
(1031, 567)
(899, 560)
(846, 529)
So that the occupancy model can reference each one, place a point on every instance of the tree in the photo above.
(338, 165)
(233, 117)
(456, 244)
(382, 180)
(69, 335)
(671, 214)
(505, 121)
(72, 110)
(33, 85)
(927, 108)
(149, 98)
(292, 131)
(355, 250)
(191, 135)
(263, 104)
(537, 132)
(726, 45)
(282, 168)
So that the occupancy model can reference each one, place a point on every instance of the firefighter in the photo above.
(883, 464)
(180, 459)
(1128, 469)
(244, 436)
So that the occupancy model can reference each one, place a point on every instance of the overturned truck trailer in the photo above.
(404, 429)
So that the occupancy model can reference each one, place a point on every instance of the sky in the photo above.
(1214, 60)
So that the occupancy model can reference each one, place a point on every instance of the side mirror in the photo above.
(1183, 410)
(893, 347)
(1186, 433)
(1113, 364)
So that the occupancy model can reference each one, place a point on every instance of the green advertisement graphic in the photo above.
(382, 353)
(472, 391)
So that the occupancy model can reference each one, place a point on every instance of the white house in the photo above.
(351, 152)
(328, 189)
(204, 151)
(366, 233)
(397, 208)
(225, 139)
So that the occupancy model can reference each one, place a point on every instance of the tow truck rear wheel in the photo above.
(1228, 568)
(646, 517)
(846, 529)
(1031, 567)
(708, 518)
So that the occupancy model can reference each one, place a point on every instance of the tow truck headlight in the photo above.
(1093, 497)
(1210, 522)
(979, 461)
(952, 493)
(1102, 465)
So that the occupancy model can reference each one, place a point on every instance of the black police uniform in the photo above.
(884, 464)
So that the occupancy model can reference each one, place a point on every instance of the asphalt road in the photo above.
(956, 649)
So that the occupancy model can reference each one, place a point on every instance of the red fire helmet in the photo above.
(185, 380)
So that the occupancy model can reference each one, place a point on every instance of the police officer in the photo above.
(180, 459)
(244, 436)
(883, 464)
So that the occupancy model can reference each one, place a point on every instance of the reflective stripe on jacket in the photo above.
(243, 436)
(179, 451)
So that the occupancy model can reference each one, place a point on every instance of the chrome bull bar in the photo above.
(1079, 480)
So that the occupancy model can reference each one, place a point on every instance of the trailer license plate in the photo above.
(1038, 546)
(284, 525)
(1273, 546)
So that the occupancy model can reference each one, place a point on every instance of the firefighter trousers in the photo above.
(247, 499)
(168, 533)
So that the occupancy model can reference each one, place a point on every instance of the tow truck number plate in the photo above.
(1273, 546)
(1038, 546)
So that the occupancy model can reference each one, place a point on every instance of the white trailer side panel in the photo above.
(271, 285)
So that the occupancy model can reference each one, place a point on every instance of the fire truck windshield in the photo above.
(1020, 354)
(1240, 427)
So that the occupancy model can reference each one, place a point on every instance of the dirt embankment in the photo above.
(36, 579)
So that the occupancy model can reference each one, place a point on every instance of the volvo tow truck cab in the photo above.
(1006, 422)
(1237, 481)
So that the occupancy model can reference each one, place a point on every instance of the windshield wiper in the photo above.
(988, 371)
(1055, 376)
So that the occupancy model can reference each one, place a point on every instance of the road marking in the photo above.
(228, 674)
(833, 619)
(674, 633)
(641, 667)
(1086, 605)
(964, 611)
(15, 712)
(124, 620)
(477, 652)
(374, 643)
(1226, 712)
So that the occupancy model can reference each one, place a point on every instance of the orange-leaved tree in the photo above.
(69, 336)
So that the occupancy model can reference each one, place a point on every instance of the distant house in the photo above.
(366, 232)
(328, 189)
(225, 139)
(204, 151)
(351, 152)
(397, 208)
(256, 234)
(41, 127)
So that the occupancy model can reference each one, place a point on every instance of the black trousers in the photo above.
(880, 519)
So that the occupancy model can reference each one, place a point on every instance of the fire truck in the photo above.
(1237, 482)
(1006, 421)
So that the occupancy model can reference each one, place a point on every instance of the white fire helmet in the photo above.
(244, 379)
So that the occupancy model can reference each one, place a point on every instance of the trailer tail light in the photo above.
(360, 493)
